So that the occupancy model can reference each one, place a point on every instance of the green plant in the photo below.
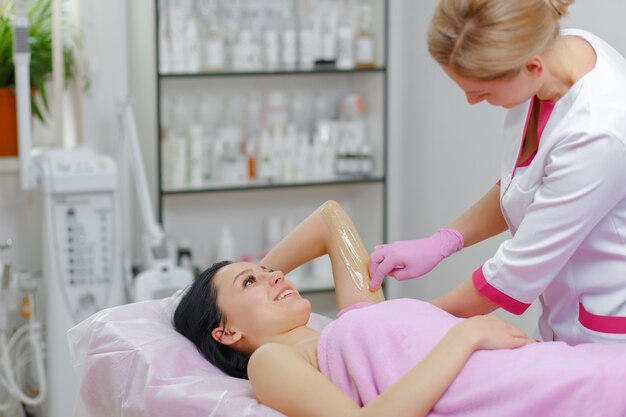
(40, 41)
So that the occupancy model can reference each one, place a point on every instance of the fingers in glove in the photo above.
(402, 274)
(379, 275)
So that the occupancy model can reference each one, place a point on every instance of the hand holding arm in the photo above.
(407, 259)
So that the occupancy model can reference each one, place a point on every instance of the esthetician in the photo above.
(562, 188)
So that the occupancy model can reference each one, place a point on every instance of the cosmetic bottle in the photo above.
(271, 45)
(233, 164)
(254, 115)
(250, 151)
(214, 54)
(225, 250)
(289, 152)
(181, 115)
(193, 44)
(328, 38)
(246, 53)
(279, 151)
(175, 160)
(184, 255)
(179, 13)
(216, 159)
(304, 158)
(207, 118)
(289, 56)
(265, 156)
(307, 51)
(207, 159)
(364, 44)
(345, 39)
(165, 41)
(195, 156)
(317, 159)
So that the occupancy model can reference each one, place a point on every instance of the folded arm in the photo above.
(328, 231)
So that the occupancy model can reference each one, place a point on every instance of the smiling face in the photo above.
(259, 304)
(505, 92)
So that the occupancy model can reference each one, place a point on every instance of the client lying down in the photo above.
(250, 321)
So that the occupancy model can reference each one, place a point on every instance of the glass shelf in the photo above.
(272, 73)
(271, 185)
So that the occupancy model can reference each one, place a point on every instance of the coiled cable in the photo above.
(24, 347)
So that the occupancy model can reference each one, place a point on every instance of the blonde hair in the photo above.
(490, 39)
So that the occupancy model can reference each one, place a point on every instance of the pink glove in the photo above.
(407, 259)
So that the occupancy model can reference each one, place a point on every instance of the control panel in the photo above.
(84, 244)
(82, 230)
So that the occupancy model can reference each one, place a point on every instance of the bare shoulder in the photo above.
(272, 357)
(270, 352)
(283, 379)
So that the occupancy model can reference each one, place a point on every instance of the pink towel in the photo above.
(370, 346)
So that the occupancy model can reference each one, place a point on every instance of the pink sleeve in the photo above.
(496, 296)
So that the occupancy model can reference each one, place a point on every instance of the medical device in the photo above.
(162, 277)
(82, 263)
(22, 348)
(81, 227)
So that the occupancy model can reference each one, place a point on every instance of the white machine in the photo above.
(81, 258)
(81, 234)
(162, 277)
(82, 270)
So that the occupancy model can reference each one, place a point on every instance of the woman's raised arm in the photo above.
(328, 230)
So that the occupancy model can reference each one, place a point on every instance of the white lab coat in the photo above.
(567, 211)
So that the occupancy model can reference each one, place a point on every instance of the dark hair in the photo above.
(198, 314)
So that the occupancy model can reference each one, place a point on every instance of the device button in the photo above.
(87, 301)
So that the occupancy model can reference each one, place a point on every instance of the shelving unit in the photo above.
(197, 213)
(272, 73)
(258, 185)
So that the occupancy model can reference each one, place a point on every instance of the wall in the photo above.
(447, 152)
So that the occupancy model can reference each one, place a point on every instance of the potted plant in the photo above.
(40, 42)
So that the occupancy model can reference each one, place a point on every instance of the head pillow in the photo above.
(131, 362)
